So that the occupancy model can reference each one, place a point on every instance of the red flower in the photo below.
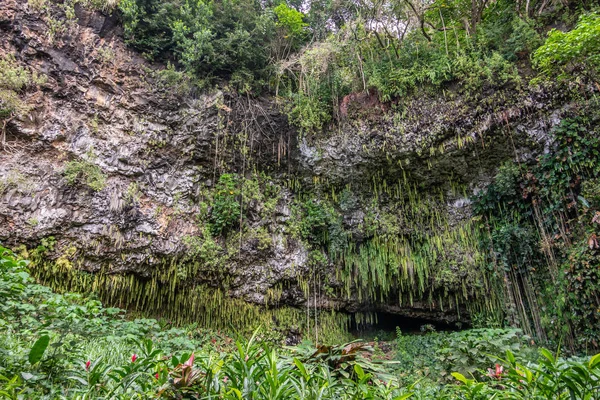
(87, 365)
(497, 373)
(133, 357)
(156, 375)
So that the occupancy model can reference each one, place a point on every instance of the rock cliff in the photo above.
(116, 169)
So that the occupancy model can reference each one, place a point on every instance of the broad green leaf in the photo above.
(594, 361)
(39, 348)
(546, 353)
(359, 371)
(301, 368)
(236, 392)
(460, 377)
(510, 357)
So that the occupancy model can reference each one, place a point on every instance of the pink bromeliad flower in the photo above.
(496, 373)
(87, 365)
(134, 357)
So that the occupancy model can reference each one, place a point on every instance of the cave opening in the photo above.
(383, 325)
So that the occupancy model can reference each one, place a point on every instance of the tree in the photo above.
(565, 51)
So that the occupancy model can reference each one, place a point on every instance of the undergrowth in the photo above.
(69, 346)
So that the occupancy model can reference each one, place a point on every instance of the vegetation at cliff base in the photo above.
(69, 346)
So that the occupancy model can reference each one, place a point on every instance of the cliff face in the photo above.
(116, 168)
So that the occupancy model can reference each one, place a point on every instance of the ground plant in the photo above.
(65, 345)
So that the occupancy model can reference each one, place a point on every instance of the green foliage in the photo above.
(15, 77)
(417, 355)
(357, 58)
(314, 225)
(345, 360)
(424, 66)
(86, 351)
(404, 249)
(291, 20)
(39, 348)
(132, 194)
(308, 113)
(523, 39)
(551, 378)
(85, 172)
(208, 38)
(69, 346)
(146, 25)
(579, 48)
(225, 212)
(460, 46)
(542, 232)
(472, 351)
(205, 250)
(173, 81)
(434, 356)
(508, 32)
(13, 80)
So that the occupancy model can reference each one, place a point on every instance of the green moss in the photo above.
(16, 78)
(133, 194)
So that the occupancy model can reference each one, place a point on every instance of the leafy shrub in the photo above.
(292, 21)
(417, 355)
(551, 378)
(226, 39)
(13, 80)
(169, 79)
(15, 77)
(563, 51)
(508, 33)
(206, 250)
(523, 39)
(318, 77)
(310, 114)
(225, 211)
(315, 222)
(85, 172)
(472, 351)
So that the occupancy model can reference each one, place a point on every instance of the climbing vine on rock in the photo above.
(543, 227)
